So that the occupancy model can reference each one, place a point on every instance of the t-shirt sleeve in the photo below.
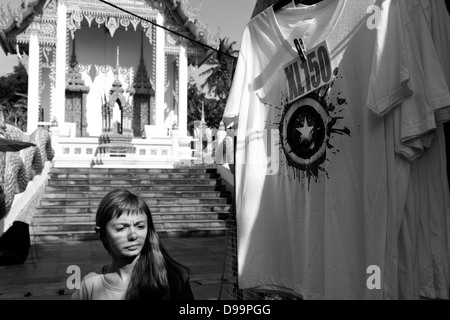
(76, 295)
(416, 123)
(87, 285)
(390, 73)
(239, 86)
(440, 31)
(434, 78)
(396, 84)
(430, 92)
(234, 99)
(402, 78)
(81, 293)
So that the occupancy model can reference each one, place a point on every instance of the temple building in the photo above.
(110, 81)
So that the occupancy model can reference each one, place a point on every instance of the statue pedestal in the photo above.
(116, 144)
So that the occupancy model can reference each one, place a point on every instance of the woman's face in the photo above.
(126, 235)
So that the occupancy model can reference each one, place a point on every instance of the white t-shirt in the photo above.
(424, 258)
(440, 31)
(313, 219)
(428, 33)
(439, 24)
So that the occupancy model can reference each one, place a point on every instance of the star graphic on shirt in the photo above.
(305, 131)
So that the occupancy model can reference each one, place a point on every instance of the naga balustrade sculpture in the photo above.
(17, 169)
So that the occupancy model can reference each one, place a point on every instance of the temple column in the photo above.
(183, 90)
(60, 77)
(33, 79)
(160, 77)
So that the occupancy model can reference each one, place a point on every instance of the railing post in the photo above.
(198, 142)
(54, 133)
(175, 144)
(207, 152)
(229, 147)
(221, 134)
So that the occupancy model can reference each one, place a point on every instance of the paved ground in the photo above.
(44, 274)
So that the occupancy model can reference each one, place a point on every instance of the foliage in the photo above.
(213, 108)
(13, 97)
(218, 83)
(219, 75)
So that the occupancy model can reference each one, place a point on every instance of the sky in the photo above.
(230, 16)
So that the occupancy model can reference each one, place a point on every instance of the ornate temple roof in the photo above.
(74, 80)
(192, 23)
(16, 17)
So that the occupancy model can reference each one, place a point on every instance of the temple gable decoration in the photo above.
(143, 97)
(76, 91)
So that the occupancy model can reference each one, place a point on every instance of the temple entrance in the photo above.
(117, 118)
(117, 123)
(74, 110)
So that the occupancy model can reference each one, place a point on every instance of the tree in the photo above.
(195, 99)
(219, 76)
(13, 98)
(218, 83)
(213, 108)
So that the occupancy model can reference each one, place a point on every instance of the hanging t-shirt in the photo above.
(315, 146)
(424, 259)
(440, 31)
(439, 24)
(425, 51)
(410, 139)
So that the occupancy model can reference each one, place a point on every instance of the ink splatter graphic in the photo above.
(306, 127)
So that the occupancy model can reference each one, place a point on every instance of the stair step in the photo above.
(63, 218)
(154, 209)
(58, 237)
(143, 176)
(150, 201)
(140, 188)
(49, 237)
(90, 217)
(160, 225)
(131, 171)
(132, 182)
(58, 196)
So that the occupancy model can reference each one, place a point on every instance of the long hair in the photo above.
(155, 271)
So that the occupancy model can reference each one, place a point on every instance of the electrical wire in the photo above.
(167, 29)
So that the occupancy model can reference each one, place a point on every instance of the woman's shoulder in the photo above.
(96, 274)
(92, 276)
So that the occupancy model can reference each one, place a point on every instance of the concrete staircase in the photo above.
(184, 202)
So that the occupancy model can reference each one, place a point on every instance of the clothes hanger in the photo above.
(280, 4)
(299, 45)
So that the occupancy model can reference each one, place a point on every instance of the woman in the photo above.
(140, 268)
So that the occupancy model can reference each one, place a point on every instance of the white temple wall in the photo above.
(46, 84)
(171, 81)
